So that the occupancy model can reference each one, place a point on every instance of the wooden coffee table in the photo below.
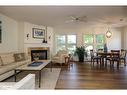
(34, 68)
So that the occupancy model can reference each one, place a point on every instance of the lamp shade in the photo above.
(108, 34)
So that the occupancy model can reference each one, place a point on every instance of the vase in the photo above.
(105, 48)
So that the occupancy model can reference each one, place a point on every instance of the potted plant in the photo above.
(80, 52)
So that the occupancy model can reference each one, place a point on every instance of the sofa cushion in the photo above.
(7, 58)
(12, 66)
(23, 62)
(7, 67)
(19, 57)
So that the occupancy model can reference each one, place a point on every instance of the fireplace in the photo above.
(39, 53)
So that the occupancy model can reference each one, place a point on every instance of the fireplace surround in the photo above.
(38, 53)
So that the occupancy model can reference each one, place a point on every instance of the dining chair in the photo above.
(95, 57)
(123, 56)
(100, 50)
(114, 57)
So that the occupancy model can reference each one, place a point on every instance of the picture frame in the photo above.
(38, 33)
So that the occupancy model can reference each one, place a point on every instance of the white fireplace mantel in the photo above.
(37, 44)
(28, 45)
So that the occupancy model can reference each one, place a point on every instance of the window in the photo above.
(88, 39)
(92, 41)
(100, 40)
(67, 42)
(71, 43)
(60, 42)
(88, 42)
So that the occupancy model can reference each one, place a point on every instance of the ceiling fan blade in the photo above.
(67, 21)
(77, 19)
(84, 18)
(73, 17)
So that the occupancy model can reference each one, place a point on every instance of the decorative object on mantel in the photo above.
(38, 33)
(44, 41)
(0, 32)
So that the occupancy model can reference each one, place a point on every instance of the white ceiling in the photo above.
(58, 15)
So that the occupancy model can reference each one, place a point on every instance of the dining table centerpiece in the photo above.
(105, 48)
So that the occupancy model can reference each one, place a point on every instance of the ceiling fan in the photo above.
(77, 19)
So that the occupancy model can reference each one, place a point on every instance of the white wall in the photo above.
(28, 30)
(34, 42)
(124, 38)
(9, 34)
(113, 43)
(21, 36)
(14, 36)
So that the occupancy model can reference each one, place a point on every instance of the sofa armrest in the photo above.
(27, 82)
(62, 57)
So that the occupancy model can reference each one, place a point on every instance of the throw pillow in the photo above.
(7, 58)
(19, 57)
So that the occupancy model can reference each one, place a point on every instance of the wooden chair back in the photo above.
(115, 54)
(91, 53)
(123, 53)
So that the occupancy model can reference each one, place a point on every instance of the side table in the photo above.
(67, 60)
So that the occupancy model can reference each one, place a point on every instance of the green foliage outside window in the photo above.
(66, 42)
(88, 38)
(100, 39)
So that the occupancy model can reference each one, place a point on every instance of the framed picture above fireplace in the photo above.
(38, 33)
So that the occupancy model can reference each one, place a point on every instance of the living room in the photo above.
(20, 41)
(19, 25)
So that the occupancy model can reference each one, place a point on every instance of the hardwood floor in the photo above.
(85, 76)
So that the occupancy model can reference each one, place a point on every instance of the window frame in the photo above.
(56, 44)
(66, 41)
(94, 40)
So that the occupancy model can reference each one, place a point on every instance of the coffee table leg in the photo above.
(39, 78)
(15, 75)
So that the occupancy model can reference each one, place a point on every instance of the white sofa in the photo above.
(10, 61)
(27, 82)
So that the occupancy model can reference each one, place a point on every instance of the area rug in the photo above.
(48, 78)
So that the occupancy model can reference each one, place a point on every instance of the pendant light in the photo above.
(108, 33)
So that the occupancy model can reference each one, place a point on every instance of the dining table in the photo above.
(103, 56)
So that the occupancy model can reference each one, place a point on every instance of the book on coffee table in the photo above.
(35, 64)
